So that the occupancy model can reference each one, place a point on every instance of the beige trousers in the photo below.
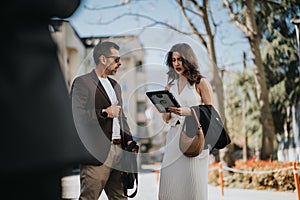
(93, 179)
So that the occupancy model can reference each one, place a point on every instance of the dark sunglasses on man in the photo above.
(116, 58)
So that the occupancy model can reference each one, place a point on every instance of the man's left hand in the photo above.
(132, 146)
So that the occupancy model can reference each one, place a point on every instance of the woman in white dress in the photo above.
(184, 177)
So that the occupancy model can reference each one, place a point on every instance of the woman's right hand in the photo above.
(166, 117)
(181, 111)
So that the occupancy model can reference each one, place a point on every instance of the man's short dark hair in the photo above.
(103, 48)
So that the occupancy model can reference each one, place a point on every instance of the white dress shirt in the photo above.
(113, 98)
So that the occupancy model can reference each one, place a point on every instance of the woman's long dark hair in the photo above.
(189, 62)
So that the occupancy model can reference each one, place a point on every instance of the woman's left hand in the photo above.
(181, 111)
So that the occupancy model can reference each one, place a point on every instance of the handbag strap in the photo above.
(136, 188)
(135, 173)
(197, 119)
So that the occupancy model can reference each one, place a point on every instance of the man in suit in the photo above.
(101, 124)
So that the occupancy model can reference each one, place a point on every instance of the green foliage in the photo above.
(242, 85)
(280, 59)
(279, 54)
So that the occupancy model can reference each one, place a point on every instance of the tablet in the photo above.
(162, 99)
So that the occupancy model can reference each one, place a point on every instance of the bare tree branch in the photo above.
(111, 20)
(121, 4)
(191, 24)
(213, 22)
(200, 14)
(94, 7)
(155, 22)
(206, 20)
(200, 8)
(203, 9)
(235, 18)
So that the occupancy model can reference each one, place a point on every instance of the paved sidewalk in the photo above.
(148, 190)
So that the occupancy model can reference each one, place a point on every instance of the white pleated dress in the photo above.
(183, 177)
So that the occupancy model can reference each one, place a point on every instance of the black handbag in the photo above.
(216, 137)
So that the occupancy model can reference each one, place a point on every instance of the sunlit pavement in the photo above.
(148, 190)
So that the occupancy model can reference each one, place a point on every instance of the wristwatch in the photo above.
(104, 114)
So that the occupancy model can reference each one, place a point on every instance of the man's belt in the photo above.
(116, 141)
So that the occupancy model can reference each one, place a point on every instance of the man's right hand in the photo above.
(113, 110)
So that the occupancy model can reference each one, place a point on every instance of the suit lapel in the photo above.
(100, 87)
(113, 83)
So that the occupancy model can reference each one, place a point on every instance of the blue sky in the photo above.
(90, 21)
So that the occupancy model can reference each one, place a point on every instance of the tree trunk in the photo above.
(226, 155)
(244, 131)
(260, 81)
(216, 81)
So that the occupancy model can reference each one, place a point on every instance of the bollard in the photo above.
(157, 171)
(221, 178)
(296, 178)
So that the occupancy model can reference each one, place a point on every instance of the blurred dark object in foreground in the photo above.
(39, 138)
